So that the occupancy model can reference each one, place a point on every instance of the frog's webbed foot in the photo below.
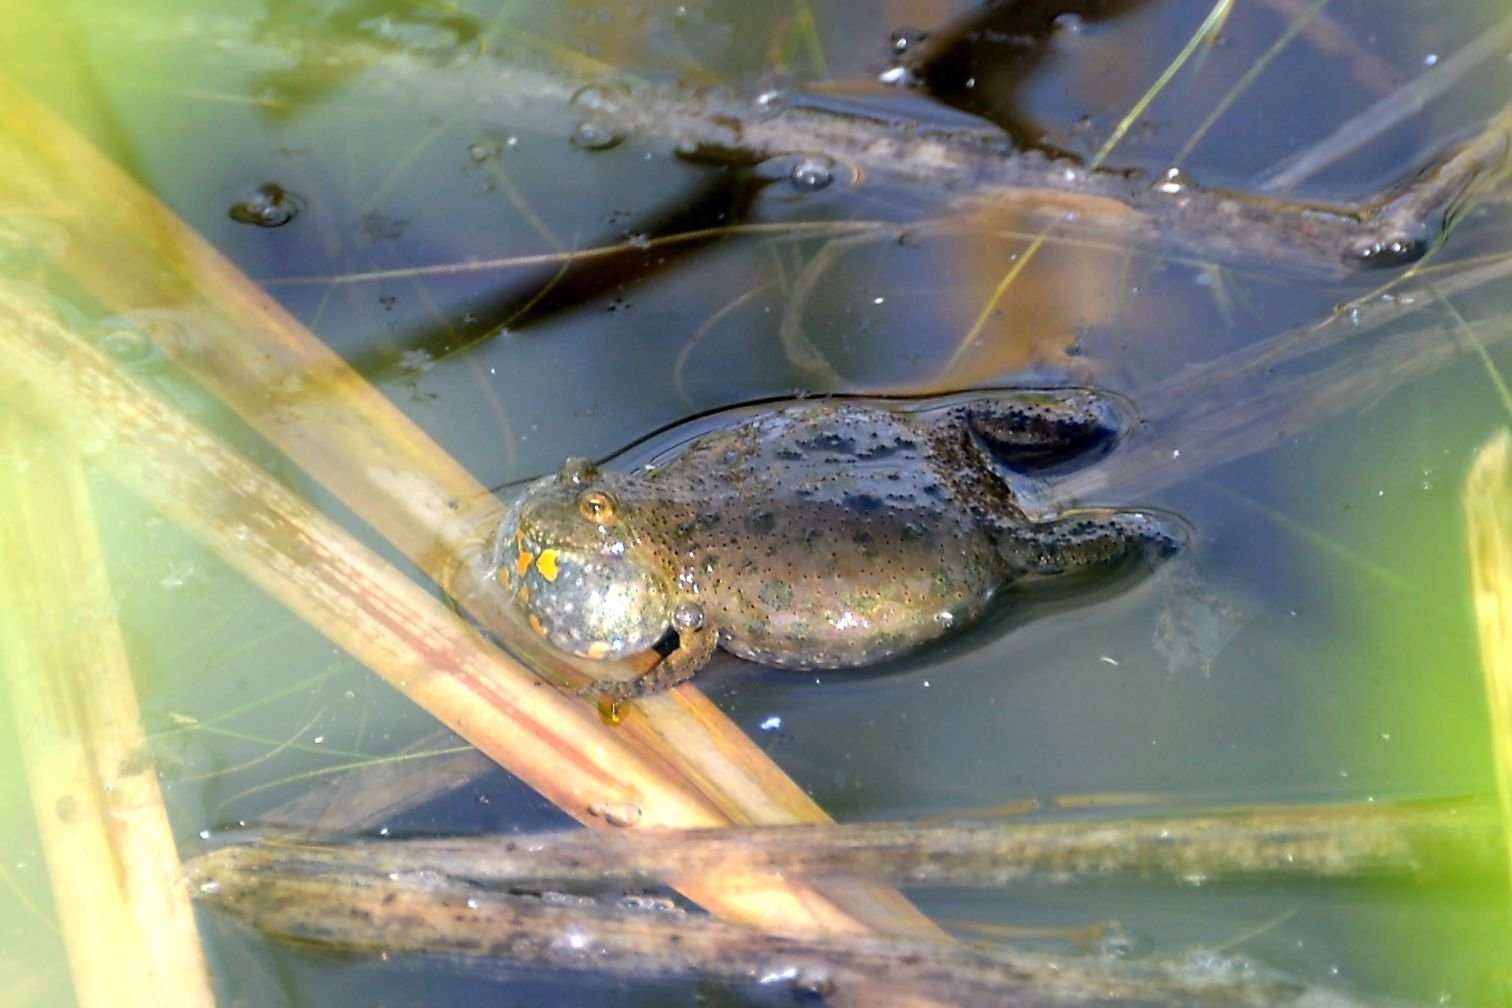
(695, 646)
(1047, 428)
(1094, 538)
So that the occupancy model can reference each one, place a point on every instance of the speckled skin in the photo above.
(822, 535)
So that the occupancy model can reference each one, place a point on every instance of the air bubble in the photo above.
(270, 206)
(600, 99)
(1174, 181)
(1386, 251)
(481, 151)
(128, 344)
(812, 173)
(904, 58)
(898, 76)
(595, 136)
(131, 342)
(770, 100)
(1119, 944)
(806, 173)
(604, 104)
(904, 38)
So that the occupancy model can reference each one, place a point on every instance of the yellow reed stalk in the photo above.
(552, 741)
(132, 253)
(125, 917)
(1488, 521)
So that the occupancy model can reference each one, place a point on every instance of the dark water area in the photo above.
(436, 237)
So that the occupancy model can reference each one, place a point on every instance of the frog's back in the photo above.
(831, 534)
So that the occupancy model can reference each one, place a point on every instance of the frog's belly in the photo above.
(840, 617)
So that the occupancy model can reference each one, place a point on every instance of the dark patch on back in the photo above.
(862, 503)
(830, 441)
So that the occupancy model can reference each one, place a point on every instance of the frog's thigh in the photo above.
(1095, 537)
(694, 649)
(1042, 428)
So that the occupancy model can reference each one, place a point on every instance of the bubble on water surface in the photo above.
(806, 172)
(1174, 181)
(605, 106)
(270, 206)
(596, 136)
(130, 341)
(480, 151)
(812, 173)
(905, 38)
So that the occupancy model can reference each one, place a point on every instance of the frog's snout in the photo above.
(590, 603)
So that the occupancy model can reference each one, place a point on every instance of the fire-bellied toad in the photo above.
(826, 534)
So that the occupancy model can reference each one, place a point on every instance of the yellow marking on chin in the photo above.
(598, 649)
(535, 623)
(523, 559)
(546, 563)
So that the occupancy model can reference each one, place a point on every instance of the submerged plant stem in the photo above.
(423, 913)
(516, 88)
(404, 633)
(1410, 841)
(677, 758)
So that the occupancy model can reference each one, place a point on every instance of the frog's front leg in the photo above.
(696, 643)
(1045, 428)
(1093, 538)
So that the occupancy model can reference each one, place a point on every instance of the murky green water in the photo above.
(1331, 552)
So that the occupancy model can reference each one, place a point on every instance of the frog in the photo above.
(823, 534)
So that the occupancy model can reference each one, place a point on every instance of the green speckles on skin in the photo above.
(777, 595)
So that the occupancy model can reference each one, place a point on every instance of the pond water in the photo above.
(419, 232)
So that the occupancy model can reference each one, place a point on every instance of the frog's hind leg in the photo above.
(1092, 539)
(1045, 429)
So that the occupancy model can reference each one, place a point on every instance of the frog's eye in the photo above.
(596, 506)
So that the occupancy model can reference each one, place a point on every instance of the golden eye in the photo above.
(596, 506)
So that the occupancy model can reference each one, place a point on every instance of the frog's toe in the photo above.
(1158, 535)
(1096, 538)
(614, 691)
(1049, 429)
